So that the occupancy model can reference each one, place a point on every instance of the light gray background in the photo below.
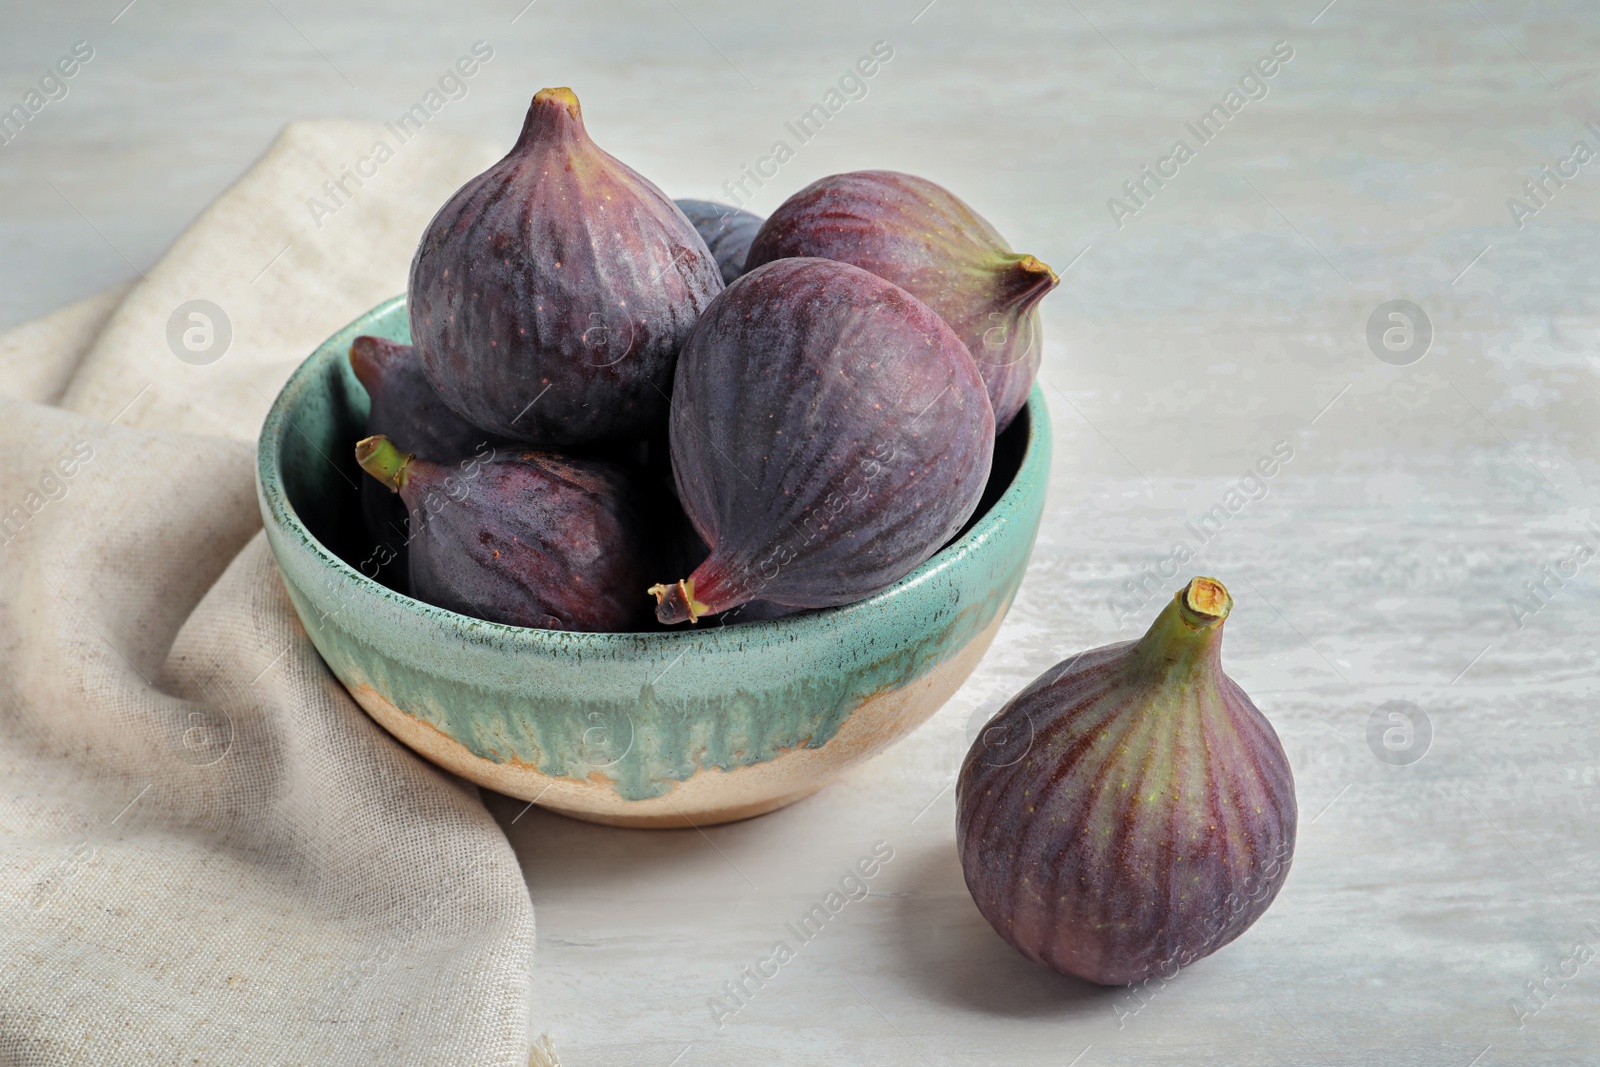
(1225, 317)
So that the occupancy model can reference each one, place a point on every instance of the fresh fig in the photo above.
(1131, 811)
(919, 236)
(404, 408)
(523, 538)
(551, 294)
(727, 231)
(829, 433)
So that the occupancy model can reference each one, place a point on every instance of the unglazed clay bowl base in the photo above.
(687, 727)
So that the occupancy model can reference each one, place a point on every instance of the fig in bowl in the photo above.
(688, 726)
(551, 293)
(524, 538)
(919, 236)
(829, 433)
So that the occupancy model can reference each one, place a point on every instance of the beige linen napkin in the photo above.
(212, 856)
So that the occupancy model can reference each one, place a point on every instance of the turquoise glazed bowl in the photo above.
(685, 727)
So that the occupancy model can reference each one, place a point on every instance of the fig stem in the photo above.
(554, 117)
(1185, 641)
(1204, 602)
(1025, 280)
(380, 458)
(675, 603)
(559, 95)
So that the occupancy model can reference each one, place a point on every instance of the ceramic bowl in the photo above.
(687, 727)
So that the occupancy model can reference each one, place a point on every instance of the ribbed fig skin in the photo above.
(1129, 812)
(921, 237)
(829, 433)
(529, 539)
(726, 230)
(551, 294)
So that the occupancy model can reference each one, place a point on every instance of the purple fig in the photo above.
(551, 294)
(523, 538)
(919, 236)
(1131, 811)
(829, 433)
(727, 231)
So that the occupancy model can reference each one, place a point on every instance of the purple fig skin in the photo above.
(551, 294)
(757, 611)
(522, 538)
(727, 231)
(921, 237)
(407, 410)
(829, 433)
(1132, 810)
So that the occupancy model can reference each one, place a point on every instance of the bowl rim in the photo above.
(280, 511)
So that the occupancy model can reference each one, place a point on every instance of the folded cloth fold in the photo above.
(212, 856)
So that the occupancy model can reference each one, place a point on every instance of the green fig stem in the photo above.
(1186, 638)
(1024, 281)
(380, 458)
(675, 603)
